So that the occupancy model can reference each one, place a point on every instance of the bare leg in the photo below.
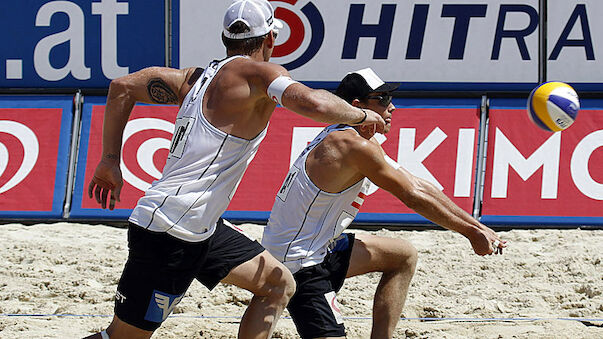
(120, 330)
(397, 259)
(272, 285)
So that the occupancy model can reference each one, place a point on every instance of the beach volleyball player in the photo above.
(176, 234)
(320, 197)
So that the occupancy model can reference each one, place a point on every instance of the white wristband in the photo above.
(277, 88)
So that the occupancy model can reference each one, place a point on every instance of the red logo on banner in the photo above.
(29, 143)
(146, 142)
(535, 173)
(303, 33)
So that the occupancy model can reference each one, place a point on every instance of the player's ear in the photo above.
(356, 103)
(270, 40)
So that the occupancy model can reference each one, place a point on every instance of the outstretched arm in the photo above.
(157, 85)
(424, 198)
(318, 105)
(323, 106)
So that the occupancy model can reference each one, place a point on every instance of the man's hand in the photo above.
(372, 118)
(107, 177)
(485, 242)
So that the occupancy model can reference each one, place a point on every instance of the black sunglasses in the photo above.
(384, 100)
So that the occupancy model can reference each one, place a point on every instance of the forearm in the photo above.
(423, 197)
(434, 205)
(321, 106)
(155, 85)
(337, 110)
(119, 105)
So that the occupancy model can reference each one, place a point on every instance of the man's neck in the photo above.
(366, 132)
(256, 56)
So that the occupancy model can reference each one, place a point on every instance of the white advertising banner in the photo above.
(575, 41)
(421, 42)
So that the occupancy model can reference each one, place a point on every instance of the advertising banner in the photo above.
(536, 177)
(146, 142)
(78, 43)
(574, 54)
(434, 139)
(439, 44)
(35, 133)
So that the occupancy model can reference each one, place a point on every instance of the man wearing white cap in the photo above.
(176, 234)
(320, 197)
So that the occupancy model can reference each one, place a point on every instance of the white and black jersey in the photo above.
(202, 172)
(305, 219)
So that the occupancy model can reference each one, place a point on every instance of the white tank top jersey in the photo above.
(202, 172)
(304, 219)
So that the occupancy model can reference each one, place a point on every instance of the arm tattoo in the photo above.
(160, 92)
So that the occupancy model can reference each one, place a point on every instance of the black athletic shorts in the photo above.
(314, 308)
(160, 268)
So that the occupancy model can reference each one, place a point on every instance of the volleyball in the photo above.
(553, 106)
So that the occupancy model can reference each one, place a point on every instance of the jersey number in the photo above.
(181, 131)
(284, 190)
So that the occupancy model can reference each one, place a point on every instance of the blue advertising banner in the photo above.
(78, 43)
(35, 134)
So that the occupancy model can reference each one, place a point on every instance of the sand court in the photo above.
(58, 281)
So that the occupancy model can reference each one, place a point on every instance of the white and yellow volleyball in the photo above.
(553, 106)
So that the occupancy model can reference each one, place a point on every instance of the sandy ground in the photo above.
(58, 281)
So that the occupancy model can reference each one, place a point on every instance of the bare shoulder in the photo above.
(250, 78)
(350, 144)
(349, 155)
(361, 153)
(266, 71)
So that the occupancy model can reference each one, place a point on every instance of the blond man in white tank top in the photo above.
(176, 234)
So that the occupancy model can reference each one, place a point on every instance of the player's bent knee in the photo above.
(280, 284)
(287, 285)
(398, 255)
(409, 256)
(291, 285)
(280, 293)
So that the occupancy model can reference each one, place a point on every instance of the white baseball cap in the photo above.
(258, 15)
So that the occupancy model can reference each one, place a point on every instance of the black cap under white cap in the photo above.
(258, 15)
(358, 85)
